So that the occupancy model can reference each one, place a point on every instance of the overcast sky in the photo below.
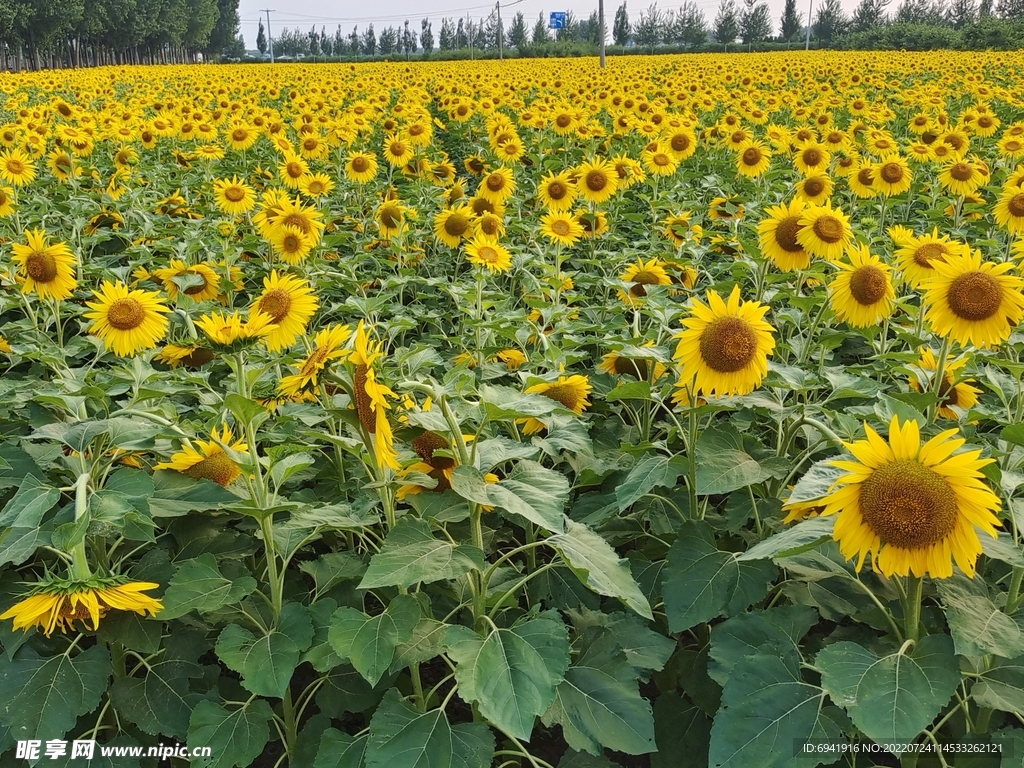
(325, 13)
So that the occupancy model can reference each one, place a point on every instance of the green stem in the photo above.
(274, 580)
(290, 722)
(981, 723)
(940, 376)
(691, 449)
(80, 562)
(912, 608)
(1013, 596)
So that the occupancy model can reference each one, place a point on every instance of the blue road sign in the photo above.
(557, 20)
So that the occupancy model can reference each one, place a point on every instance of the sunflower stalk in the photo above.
(912, 597)
(80, 561)
(1013, 595)
(940, 375)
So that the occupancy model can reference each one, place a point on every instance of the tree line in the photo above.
(74, 33)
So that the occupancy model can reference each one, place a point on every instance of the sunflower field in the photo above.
(515, 414)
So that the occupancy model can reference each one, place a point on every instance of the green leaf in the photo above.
(978, 626)
(798, 538)
(1004, 549)
(634, 390)
(235, 738)
(816, 481)
(530, 491)
(369, 642)
(700, 582)
(267, 663)
(776, 630)
(402, 736)
(1013, 433)
(511, 674)
(199, 585)
(288, 466)
(245, 410)
(19, 544)
(651, 472)
(895, 697)
(16, 465)
(160, 702)
(767, 711)
(645, 649)
(175, 494)
(725, 471)
(412, 554)
(44, 697)
(333, 568)
(1001, 687)
(339, 750)
(599, 566)
(680, 728)
(507, 403)
(26, 508)
(131, 630)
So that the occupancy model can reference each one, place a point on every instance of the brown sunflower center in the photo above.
(217, 467)
(1013, 146)
(397, 149)
(126, 314)
(489, 225)
(728, 344)
(310, 144)
(15, 166)
(565, 394)
(680, 142)
(390, 217)
(984, 121)
(239, 134)
(557, 190)
(456, 225)
(234, 194)
(291, 243)
(751, 156)
(814, 187)
(563, 121)
(197, 358)
(360, 164)
(561, 227)
(596, 180)
(294, 170)
(427, 443)
(811, 157)
(974, 296)
(364, 405)
(488, 254)
(828, 228)
(1016, 205)
(928, 253)
(892, 173)
(73, 611)
(954, 141)
(276, 302)
(41, 267)
(194, 290)
(868, 285)
(865, 176)
(625, 366)
(908, 505)
(662, 160)
(786, 232)
(961, 171)
(496, 182)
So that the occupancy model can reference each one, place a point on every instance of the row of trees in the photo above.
(74, 33)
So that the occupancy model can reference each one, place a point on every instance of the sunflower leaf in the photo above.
(235, 738)
(411, 554)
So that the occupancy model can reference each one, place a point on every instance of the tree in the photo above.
(830, 21)
(326, 42)
(261, 39)
(426, 37)
(490, 33)
(461, 36)
(568, 32)
(920, 12)
(355, 42)
(225, 30)
(340, 42)
(369, 41)
(649, 29)
(727, 25)
(984, 9)
(517, 32)
(540, 31)
(446, 37)
(1010, 9)
(689, 27)
(620, 27)
(870, 13)
(755, 22)
(790, 24)
(962, 13)
(387, 42)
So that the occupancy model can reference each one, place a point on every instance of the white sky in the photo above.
(323, 13)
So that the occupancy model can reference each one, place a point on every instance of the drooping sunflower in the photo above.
(453, 224)
(569, 391)
(973, 302)
(231, 331)
(209, 461)
(955, 394)
(640, 274)
(892, 175)
(862, 292)
(16, 167)
(127, 321)
(1009, 210)
(678, 228)
(233, 196)
(330, 345)
(916, 255)
(914, 508)
(372, 399)
(361, 167)
(188, 355)
(49, 270)
(778, 236)
(753, 158)
(485, 251)
(825, 231)
(598, 181)
(725, 345)
(560, 227)
(290, 302)
(639, 368)
(58, 603)
(557, 192)
(201, 280)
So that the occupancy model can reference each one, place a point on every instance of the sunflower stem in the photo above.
(80, 562)
(940, 376)
(1013, 596)
(981, 722)
(691, 446)
(912, 607)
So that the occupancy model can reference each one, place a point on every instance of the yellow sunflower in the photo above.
(6, 202)
(640, 274)
(973, 302)
(812, 158)
(372, 399)
(961, 177)
(484, 251)
(658, 160)
(330, 345)
(209, 461)
(752, 158)
(361, 167)
(892, 175)
(778, 236)
(290, 303)
(188, 355)
(725, 345)
(233, 196)
(825, 231)
(453, 224)
(16, 167)
(201, 280)
(639, 368)
(862, 292)
(291, 170)
(391, 216)
(1009, 210)
(678, 228)
(497, 186)
(815, 189)
(49, 270)
(569, 391)
(560, 227)
(598, 181)
(291, 244)
(398, 151)
(914, 508)
(954, 394)
(59, 603)
(916, 255)
(226, 330)
(557, 191)
(127, 321)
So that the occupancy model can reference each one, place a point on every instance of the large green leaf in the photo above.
(1002, 687)
(512, 674)
(805, 535)
(891, 698)
(369, 642)
(529, 491)
(680, 728)
(175, 494)
(160, 702)
(701, 582)
(725, 471)
(507, 403)
(599, 566)
(402, 737)
(44, 697)
(779, 629)
(339, 750)
(767, 711)
(19, 544)
(235, 737)
(412, 554)
(199, 585)
(816, 481)
(26, 508)
(978, 626)
(650, 472)
(266, 663)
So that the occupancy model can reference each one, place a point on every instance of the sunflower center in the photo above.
(786, 232)
(928, 253)
(985, 122)
(625, 366)
(291, 243)
(197, 358)
(662, 160)
(194, 290)
(15, 166)
(563, 121)
(908, 505)
(276, 303)
(488, 254)
(865, 176)
(596, 181)
(364, 405)
(561, 227)
(456, 225)
(41, 267)
(234, 194)
(489, 225)
(1016, 205)
(1013, 145)
(495, 182)
(73, 611)
(239, 134)
(751, 156)
(557, 190)
(868, 285)
(728, 344)
(360, 164)
(681, 142)
(811, 157)
(126, 314)
(427, 443)
(217, 467)
(892, 173)
(294, 170)
(390, 218)
(829, 229)
(814, 187)
(397, 149)
(961, 171)
(975, 296)
(562, 393)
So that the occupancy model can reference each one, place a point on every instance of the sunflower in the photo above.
(678, 227)
(658, 160)
(489, 224)
(188, 355)
(955, 395)
(330, 345)
(594, 224)
(973, 302)
(815, 189)
(561, 228)
(914, 508)
(569, 391)
(825, 231)
(372, 399)
(16, 167)
(512, 358)
(812, 158)
(961, 177)
(916, 255)
(6, 202)
(291, 244)
(49, 270)
(892, 175)
(390, 217)
(557, 191)
(201, 281)
(453, 224)
(725, 208)
(209, 461)
(290, 303)
(361, 167)
(398, 151)
(241, 137)
(229, 331)
(752, 158)
(725, 345)
(316, 184)
(639, 368)
(778, 236)
(497, 186)
(291, 170)
(641, 274)
(862, 180)
(1009, 210)
(629, 170)
(59, 603)
(281, 211)
(127, 321)
(862, 293)
(484, 251)
(598, 181)
(435, 462)
(682, 143)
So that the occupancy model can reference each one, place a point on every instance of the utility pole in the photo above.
(600, 16)
(501, 34)
(270, 37)
(810, 7)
